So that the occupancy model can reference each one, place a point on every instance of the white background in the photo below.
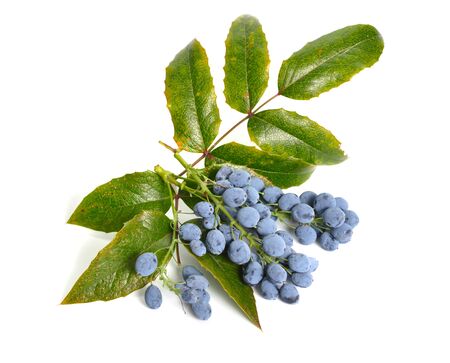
(81, 102)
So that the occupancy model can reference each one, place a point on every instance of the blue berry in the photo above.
(327, 242)
(239, 252)
(189, 296)
(198, 248)
(189, 232)
(302, 213)
(231, 211)
(333, 217)
(253, 273)
(287, 201)
(201, 311)
(255, 257)
(299, 262)
(252, 195)
(268, 290)
(257, 183)
(305, 234)
(343, 233)
(341, 203)
(351, 218)
(239, 178)
(308, 198)
(287, 252)
(234, 197)
(224, 172)
(266, 226)
(289, 293)
(273, 245)
(190, 270)
(286, 237)
(202, 296)
(313, 264)
(203, 209)
(221, 186)
(272, 194)
(276, 273)
(230, 233)
(146, 264)
(153, 297)
(263, 210)
(324, 201)
(248, 217)
(197, 282)
(210, 222)
(302, 279)
(215, 242)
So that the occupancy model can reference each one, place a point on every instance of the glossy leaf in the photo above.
(287, 133)
(282, 171)
(246, 64)
(111, 274)
(228, 275)
(191, 99)
(112, 204)
(329, 61)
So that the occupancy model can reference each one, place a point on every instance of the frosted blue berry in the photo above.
(248, 217)
(252, 195)
(220, 186)
(351, 218)
(198, 248)
(215, 242)
(313, 264)
(146, 264)
(287, 252)
(299, 262)
(257, 183)
(230, 233)
(305, 234)
(210, 222)
(333, 217)
(239, 252)
(224, 172)
(197, 282)
(255, 257)
(153, 297)
(239, 178)
(189, 295)
(272, 194)
(190, 270)
(273, 245)
(302, 279)
(289, 293)
(203, 296)
(324, 201)
(234, 197)
(268, 290)
(341, 203)
(201, 311)
(263, 210)
(190, 232)
(343, 233)
(266, 226)
(253, 273)
(287, 201)
(276, 273)
(231, 211)
(327, 242)
(302, 213)
(286, 237)
(203, 209)
(308, 198)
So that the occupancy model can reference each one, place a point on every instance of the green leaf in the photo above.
(246, 64)
(329, 61)
(287, 133)
(282, 171)
(111, 274)
(112, 204)
(228, 275)
(191, 99)
(188, 199)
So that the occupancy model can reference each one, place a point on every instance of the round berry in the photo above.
(287, 252)
(252, 195)
(289, 293)
(215, 242)
(203, 209)
(239, 252)
(313, 264)
(302, 213)
(308, 198)
(299, 262)
(146, 264)
(198, 248)
(220, 186)
(306, 235)
(351, 218)
(153, 297)
(210, 222)
(197, 282)
(263, 210)
(333, 217)
(253, 273)
(268, 290)
(272, 194)
(190, 270)
(234, 197)
(224, 172)
(276, 273)
(327, 242)
(201, 311)
(287, 201)
(324, 201)
(257, 183)
(302, 279)
(190, 232)
(343, 233)
(230, 233)
(273, 245)
(231, 211)
(286, 237)
(239, 178)
(341, 203)
(248, 217)
(266, 226)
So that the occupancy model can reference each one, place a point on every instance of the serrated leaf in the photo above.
(191, 99)
(287, 133)
(282, 171)
(228, 275)
(329, 61)
(246, 64)
(112, 204)
(111, 274)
